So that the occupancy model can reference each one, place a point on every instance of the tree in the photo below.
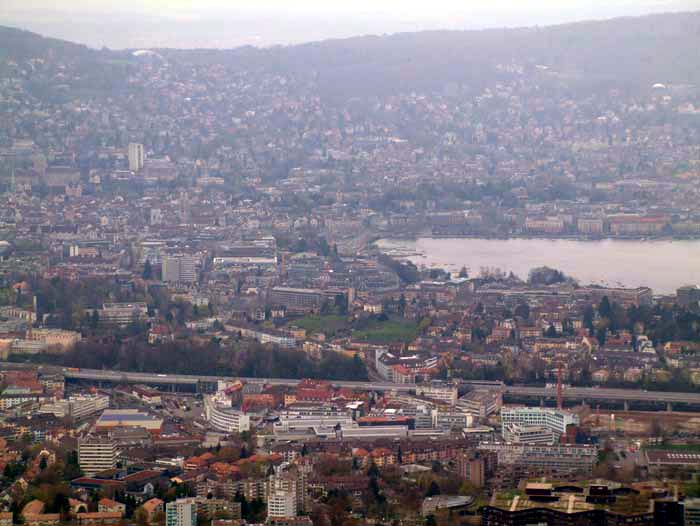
(588, 315)
(546, 276)
(147, 270)
(61, 505)
(604, 308)
(141, 516)
(324, 248)
(463, 272)
(94, 319)
(402, 304)
(72, 469)
(523, 311)
(433, 489)
(372, 470)
(601, 334)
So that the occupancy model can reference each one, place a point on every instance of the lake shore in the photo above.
(662, 264)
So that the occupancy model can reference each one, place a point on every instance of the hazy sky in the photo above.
(315, 5)
(228, 23)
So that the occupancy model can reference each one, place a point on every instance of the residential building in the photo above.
(580, 505)
(281, 504)
(153, 507)
(181, 512)
(136, 156)
(472, 468)
(554, 460)
(99, 518)
(109, 505)
(590, 226)
(660, 460)
(96, 454)
(692, 512)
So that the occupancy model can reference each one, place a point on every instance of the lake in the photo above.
(663, 265)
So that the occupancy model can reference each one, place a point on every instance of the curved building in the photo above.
(223, 417)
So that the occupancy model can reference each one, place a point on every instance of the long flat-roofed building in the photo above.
(299, 300)
(112, 418)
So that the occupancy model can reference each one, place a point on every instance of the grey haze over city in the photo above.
(219, 24)
(367, 263)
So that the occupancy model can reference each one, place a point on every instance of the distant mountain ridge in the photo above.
(626, 52)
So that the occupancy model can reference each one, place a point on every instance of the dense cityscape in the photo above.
(200, 324)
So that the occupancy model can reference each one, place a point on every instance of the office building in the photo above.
(440, 392)
(297, 300)
(182, 512)
(96, 454)
(113, 418)
(222, 417)
(135, 156)
(451, 419)
(77, 406)
(122, 314)
(553, 419)
(525, 434)
(480, 403)
(179, 269)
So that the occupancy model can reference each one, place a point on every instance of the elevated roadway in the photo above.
(570, 393)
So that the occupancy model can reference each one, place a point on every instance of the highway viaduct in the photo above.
(591, 395)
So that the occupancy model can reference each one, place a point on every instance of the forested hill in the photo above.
(18, 44)
(630, 52)
(627, 52)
